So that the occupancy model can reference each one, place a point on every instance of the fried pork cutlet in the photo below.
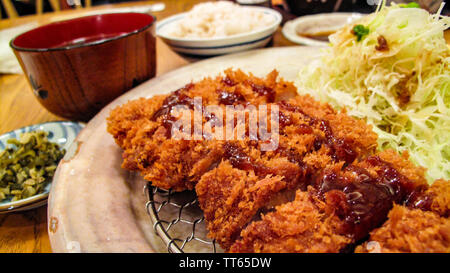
(143, 127)
(421, 225)
(358, 198)
(307, 145)
(303, 225)
(311, 135)
(321, 189)
(410, 231)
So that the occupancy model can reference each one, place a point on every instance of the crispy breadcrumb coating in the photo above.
(230, 198)
(420, 226)
(322, 189)
(410, 231)
(301, 226)
(141, 128)
(357, 196)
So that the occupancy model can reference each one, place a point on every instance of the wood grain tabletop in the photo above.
(27, 231)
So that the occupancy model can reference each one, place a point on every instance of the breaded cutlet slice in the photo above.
(230, 198)
(358, 195)
(235, 87)
(142, 129)
(303, 226)
(419, 225)
(307, 144)
(336, 126)
(365, 191)
(410, 231)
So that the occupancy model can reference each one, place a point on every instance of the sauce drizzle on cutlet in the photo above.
(365, 201)
(362, 203)
(228, 98)
(340, 148)
(180, 97)
(263, 90)
(240, 160)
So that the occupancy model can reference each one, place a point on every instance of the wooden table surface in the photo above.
(27, 231)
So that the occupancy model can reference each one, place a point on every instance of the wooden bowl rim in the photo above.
(99, 42)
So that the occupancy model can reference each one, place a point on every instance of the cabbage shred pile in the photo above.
(392, 68)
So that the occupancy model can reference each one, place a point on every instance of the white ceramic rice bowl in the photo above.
(221, 45)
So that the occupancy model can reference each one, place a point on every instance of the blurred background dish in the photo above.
(76, 67)
(303, 7)
(262, 3)
(209, 46)
(62, 133)
(308, 7)
(313, 30)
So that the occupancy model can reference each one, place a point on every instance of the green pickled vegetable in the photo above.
(28, 165)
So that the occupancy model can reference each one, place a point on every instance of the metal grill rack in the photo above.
(178, 220)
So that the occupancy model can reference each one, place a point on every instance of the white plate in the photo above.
(94, 204)
(222, 45)
(61, 132)
(326, 21)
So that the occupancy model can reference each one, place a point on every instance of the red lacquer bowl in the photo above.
(76, 67)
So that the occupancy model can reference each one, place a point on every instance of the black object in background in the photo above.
(304, 7)
(446, 10)
(25, 8)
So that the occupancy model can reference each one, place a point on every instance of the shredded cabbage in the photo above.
(402, 90)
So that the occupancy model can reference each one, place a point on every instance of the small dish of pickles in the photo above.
(28, 160)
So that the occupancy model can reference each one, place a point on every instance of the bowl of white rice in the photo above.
(220, 27)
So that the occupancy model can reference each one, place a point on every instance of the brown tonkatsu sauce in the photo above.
(362, 201)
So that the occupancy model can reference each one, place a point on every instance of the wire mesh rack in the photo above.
(178, 220)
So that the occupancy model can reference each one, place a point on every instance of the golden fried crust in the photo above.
(298, 226)
(124, 121)
(410, 231)
(354, 131)
(230, 198)
(439, 193)
(178, 164)
(239, 185)
(174, 164)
